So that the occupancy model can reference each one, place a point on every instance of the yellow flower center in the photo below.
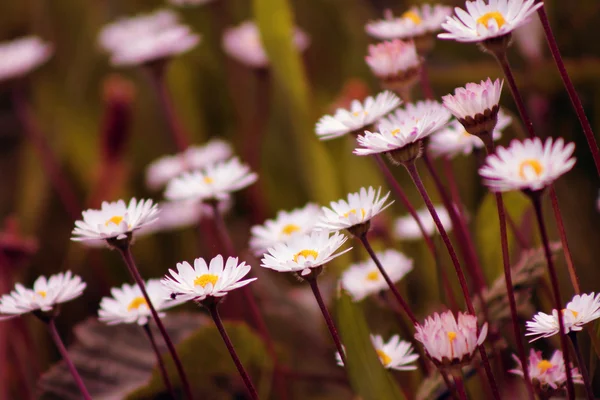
(530, 164)
(373, 276)
(289, 229)
(383, 357)
(357, 113)
(544, 365)
(306, 254)
(117, 219)
(451, 338)
(136, 303)
(575, 313)
(413, 16)
(495, 15)
(395, 132)
(205, 279)
(42, 293)
(466, 134)
(353, 211)
(208, 180)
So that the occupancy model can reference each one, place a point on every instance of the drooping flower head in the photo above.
(115, 220)
(21, 56)
(283, 227)
(146, 38)
(363, 279)
(243, 43)
(406, 228)
(44, 296)
(415, 22)
(202, 281)
(304, 253)
(216, 182)
(359, 116)
(529, 165)
(395, 63)
(450, 341)
(395, 354)
(128, 305)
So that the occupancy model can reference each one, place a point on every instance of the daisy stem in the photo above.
(312, 281)
(582, 367)
(449, 384)
(537, 205)
(125, 250)
(575, 101)
(405, 307)
(460, 386)
(214, 313)
(65, 355)
(159, 360)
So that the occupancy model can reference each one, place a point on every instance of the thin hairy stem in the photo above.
(582, 367)
(160, 361)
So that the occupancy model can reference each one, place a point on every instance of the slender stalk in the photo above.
(159, 361)
(575, 101)
(328, 320)
(460, 386)
(65, 355)
(582, 367)
(125, 250)
(537, 205)
(405, 307)
(449, 385)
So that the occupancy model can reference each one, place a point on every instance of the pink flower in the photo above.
(549, 376)
(391, 59)
(474, 98)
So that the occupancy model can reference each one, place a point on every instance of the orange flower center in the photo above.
(289, 229)
(117, 219)
(383, 357)
(306, 254)
(373, 276)
(205, 279)
(575, 313)
(136, 303)
(530, 165)
(42, 293)
(494, 15)
(413, 16)
(544, 365)
(208, 180)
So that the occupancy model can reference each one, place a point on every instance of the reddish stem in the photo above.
(460, 387)
(582, 367)
(159, 361)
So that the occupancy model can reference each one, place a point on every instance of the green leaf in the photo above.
(369, 379)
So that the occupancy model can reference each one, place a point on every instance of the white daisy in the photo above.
(359, 116)
(243, 43)
(363, 279)
(527, 165)
(285, 225)
(162, 170)
(46, 294)
(483, 21)
(303, 252)
(395, 354)
(115, 220)
(415, 111)
(393, 60)
(548, 375)
(21, 56)
(358, 209)
(206, 280)
(474, 98)
(406, 228)
(146, 38)
(454, 139)
(417, 21)
(216, 182)
(127, 304)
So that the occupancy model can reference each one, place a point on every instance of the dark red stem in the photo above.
(460, 387)
(582, 367)
(159, 361)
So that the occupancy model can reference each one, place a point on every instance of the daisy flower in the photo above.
(406, 228)
(474, 98)
(357, 210)
(127, 304)
(548, 375)
(115, 220)
(162, 170)
(394, 62)
(363, 279)
(417, 21)
(415, 111)
(216, 182)
(285, 225)
(527, 165)
(359, 116)
(395, 354)
(243, 43)
(203, 280)
(46, 294)
(304, 252)
(448, 340)
(146, 38)
(483, 21)
(21, 56)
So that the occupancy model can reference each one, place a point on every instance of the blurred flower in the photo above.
(454, 139)
(527, 165)
(530, 40)
(406, 228)
(115, 220)
(127, 304)
(358, 117)
(415, 22)
(484, 21)
(415, 111)
(449, 341)
(146, 38)
(396, 354)
(474, 99)
(243, 43)
(206, 280)
(215, 182)
(284, 226)
(46, 293)
(363, 279)
(182, 3)
(394, 61)
(549, 376)
(162, 170)
(579, 311)
(303, 252)
(21, 56)
(357, 210)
